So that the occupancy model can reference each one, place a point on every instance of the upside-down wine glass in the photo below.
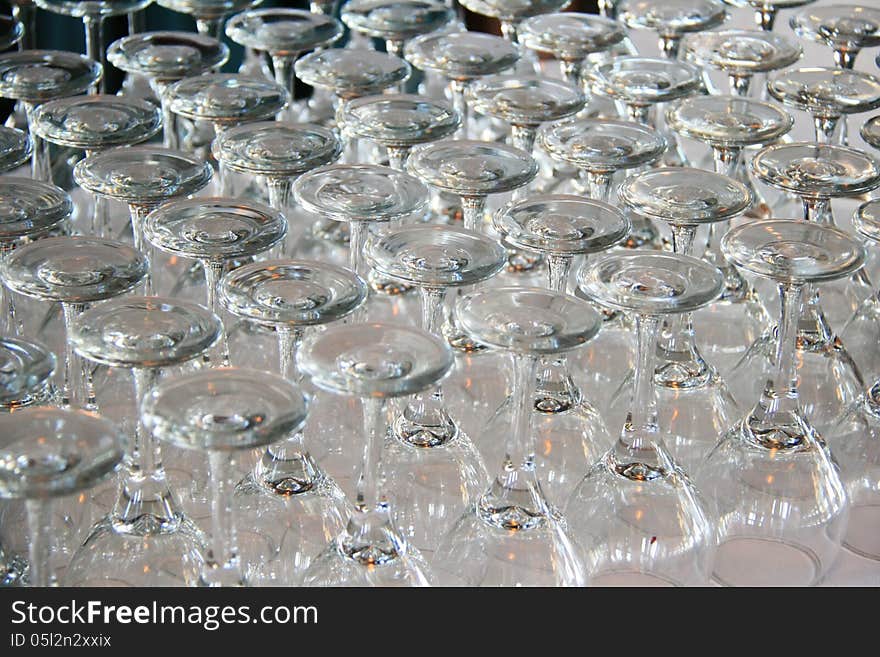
(671, 19)
(209, 14)
(395, 21)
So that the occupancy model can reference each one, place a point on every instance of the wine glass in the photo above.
(671, 19)
(511, 13)
(284, 34)
(93, 124)
(74, 271)
(395, 21)
(209, 14)
(145, 539)
(164, 58)
(741, 54)
(870, 132)
(636, 515)
(47, 453)
(224, 412)
(782, 508)
(640, 83)
(827, 94)
(29, 209)
(854, 436)
(292, 502)
(143, 177)
(512, 534)
(565, 423)
(93, 14)
(460, 57)
(27, 370)
(846, 29)
(693, 401)
(767, 10)
(570, 37)
(399, 121)
(35, 76)
(434, 470)
(374, 362)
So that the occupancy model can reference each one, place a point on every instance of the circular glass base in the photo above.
(765, 562)
(862, 536)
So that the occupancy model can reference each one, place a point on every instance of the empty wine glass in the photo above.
(767, 10)
(782, 509)
(145, 539)
(164, 58)
(565, 425)
(636, 515)
(512, 534)
(741, 54)
(48, 453)
(399, 121)
(293, 505)
(35, 76)
(143, 177)
(598, 149)
(460, 57)
(854, 438)
(209, 14)
(93, 14)
(93, 124)
(693, 401)
(827, 94)
(16, 148)
(510, 13)
(846, 29)
(640, 83)
(224, 413)
(524, 102)
(570, 37)
(374, 362)
(434, 470)
(29, 209)
(671, 19)
(284, 34)
(74, 271)
(395, 21)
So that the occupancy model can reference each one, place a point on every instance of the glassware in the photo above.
(870, 132)
(12, 31)
(671, 19)
(641, 83)
(510, 13)
(434, 470)
(782, 509)
(145, 539)
(693, 402)
(224, 412)
(48, 453)
(93, 14)
(767, 10)
(398, 122)
(29, 209)
(570, 37)
(74, 271)
(460, 57)
(512, 535)
(35, 76)
(741, 54)
(854, 438)
(284, 34)
(164, 58)
(565, 423)
(16, 148)
(524, 102)
(395, 21)
(143, 177)
(636, 515)
(291, 502)
(846, 29)
(209, 14)
(374, 362)
(827, 94)
(277, 152)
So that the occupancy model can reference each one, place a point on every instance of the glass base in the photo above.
(765, 562)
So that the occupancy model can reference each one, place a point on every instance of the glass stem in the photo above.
(73, 391)
(740, 85)
(640, 427)
(459, 102)
(394, 47)
(765, 17)
(473, 210)
(284, 74)
(210, 26)
(558, 269)
(213, 271)
(845, 58)
(669, 45)
(94, 26)
(138, 214)
(397, 156)
(571, 72)
(369, 495)
(357, 237)
(523, 137)
(639, 113)
(136, 22)
(169, 119)
(39, 517)
(223, 557)
(289, 339)
(726, 160)
(818, 210)
(41, 165)
(279, 191)
(599, 184)
(825, 127)
(26, 13)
